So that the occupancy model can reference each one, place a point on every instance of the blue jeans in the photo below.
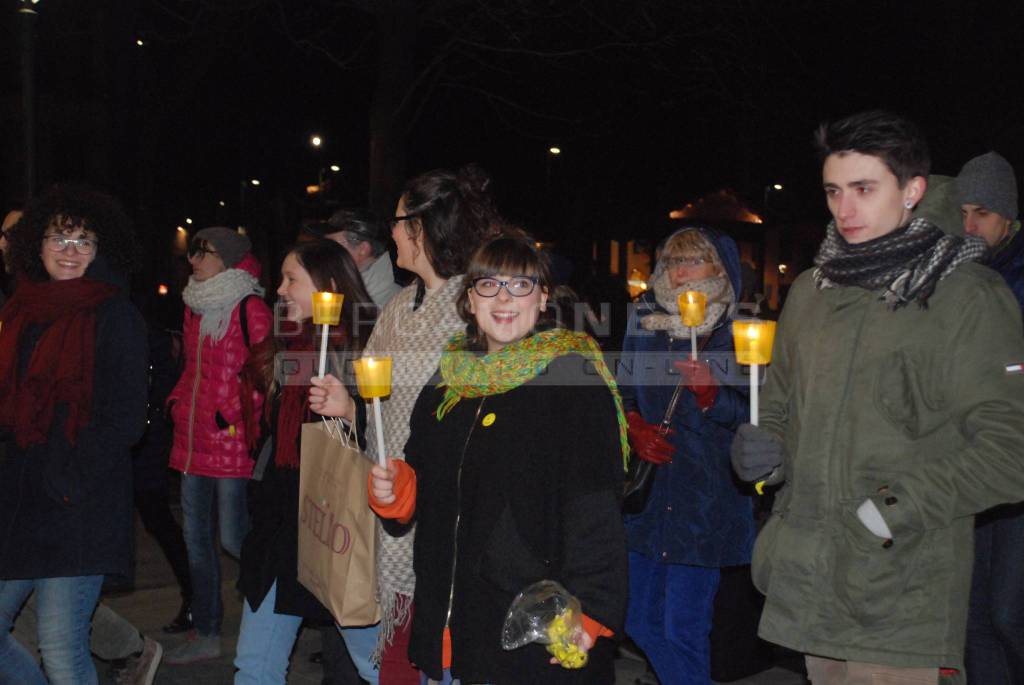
(198, 494)
(266, 638)
(361, 643)
(64, 608)
(265, 642)
(995, 623)
(669, 617)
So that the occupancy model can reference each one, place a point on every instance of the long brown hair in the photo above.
(327, 263)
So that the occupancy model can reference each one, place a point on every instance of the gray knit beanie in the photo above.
(229, 244)
(988, 181)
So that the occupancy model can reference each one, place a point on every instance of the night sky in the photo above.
(652, 103)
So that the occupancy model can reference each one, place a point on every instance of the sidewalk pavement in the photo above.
(155, 602)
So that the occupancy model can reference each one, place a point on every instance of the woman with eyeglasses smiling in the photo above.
(512, 475)
(73, 384)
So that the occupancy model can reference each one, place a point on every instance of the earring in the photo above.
(908, 204)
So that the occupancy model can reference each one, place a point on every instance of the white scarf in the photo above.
(718, 290)
(215, 299)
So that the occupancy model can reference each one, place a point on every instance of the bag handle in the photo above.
(340, 431)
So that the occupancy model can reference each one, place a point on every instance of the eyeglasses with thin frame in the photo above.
(59, 243)
(673, 262)
(395, 220)
(516, 286)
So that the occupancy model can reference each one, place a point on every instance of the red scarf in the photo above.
(293, 403)
(60, 369)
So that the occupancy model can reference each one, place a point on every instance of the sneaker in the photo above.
(140, 668)
(195, 648)
(181, 622)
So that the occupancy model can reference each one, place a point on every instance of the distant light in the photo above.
(676, 214)
(316, 141)
(221, 203)
(241, 230)
(188, 221)
(335, 168)
(555, 150)
(312, 189)
(777, 186)
(161, 289)
(255, 181)
(181, 229)
(138, 42)
(783, 268)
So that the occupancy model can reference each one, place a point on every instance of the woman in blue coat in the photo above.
(696, 520)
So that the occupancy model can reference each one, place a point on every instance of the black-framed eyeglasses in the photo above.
(517, 286)
(395, 220)
(59, 243)
(198, 251)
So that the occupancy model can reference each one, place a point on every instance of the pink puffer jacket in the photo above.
(208, 386)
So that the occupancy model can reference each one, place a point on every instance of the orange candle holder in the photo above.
(691, 307)
(753, 339)
(373, 376)
(327, 308)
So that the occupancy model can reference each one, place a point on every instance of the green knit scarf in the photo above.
(471, 375)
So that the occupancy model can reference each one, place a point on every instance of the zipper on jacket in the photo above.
(458, 512)
(192, 406)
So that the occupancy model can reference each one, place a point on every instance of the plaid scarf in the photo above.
(907, 263)
(466, 374)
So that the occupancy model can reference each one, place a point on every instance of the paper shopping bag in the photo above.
(337, 536)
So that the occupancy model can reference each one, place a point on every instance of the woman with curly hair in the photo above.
(441, 218)
(72, 403)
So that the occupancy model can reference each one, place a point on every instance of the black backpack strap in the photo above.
(243, 319)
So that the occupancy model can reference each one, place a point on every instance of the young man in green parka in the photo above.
(891, 415)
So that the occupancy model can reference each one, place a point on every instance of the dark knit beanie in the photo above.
(229, 244)
(988, 181)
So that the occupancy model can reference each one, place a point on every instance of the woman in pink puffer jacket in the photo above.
(210, 441)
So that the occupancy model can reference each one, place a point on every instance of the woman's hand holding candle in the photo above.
(329, 397)
(699, 381)
(382, 482)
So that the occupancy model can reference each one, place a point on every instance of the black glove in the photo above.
(758, 455)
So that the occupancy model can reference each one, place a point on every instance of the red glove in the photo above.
(700, 381)
(648, 440)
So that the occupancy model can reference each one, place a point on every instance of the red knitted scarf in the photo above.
(60, 369)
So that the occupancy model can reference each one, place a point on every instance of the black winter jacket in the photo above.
(67, 511)
(529, 482)
(270, 551)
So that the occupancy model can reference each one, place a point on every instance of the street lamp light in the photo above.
(316, 141)
(188, 221)
(255, 181)
(555, 151)
(335, 168)
(777, 186)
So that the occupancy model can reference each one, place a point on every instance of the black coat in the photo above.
(538, 494)
(67, 511)
(270, 551)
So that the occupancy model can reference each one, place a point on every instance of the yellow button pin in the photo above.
(489, 419)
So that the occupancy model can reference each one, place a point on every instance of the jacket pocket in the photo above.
(909, 392)
(871, 573)
(508, 563)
